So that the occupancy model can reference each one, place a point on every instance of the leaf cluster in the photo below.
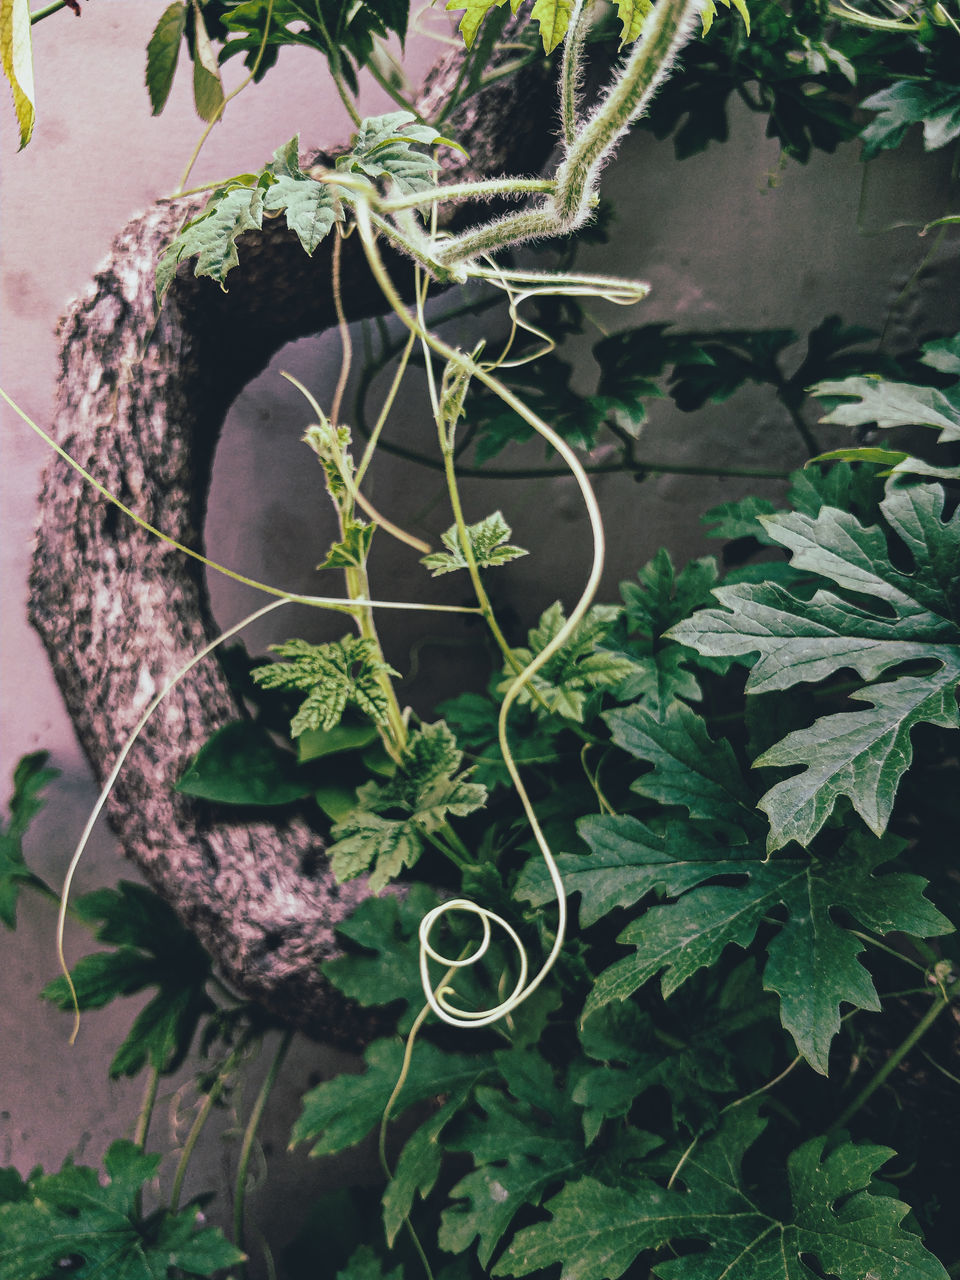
(386, 829)
(88, 1225)
(150, 949)
(333, 676)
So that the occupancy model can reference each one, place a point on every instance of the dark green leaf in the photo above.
(520, 1150)
(29, 779)
(812, 962)
(163, 51)
(598, 1231)
(691, 769)
(340, 1112)
(387, 971)
(94, 1228)
(908, 102)
(241, 764)
(153, 949)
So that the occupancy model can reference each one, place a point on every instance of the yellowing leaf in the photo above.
(631, 14)
(554, 18)
(207, 87)
(16, 55)
(474, 12)
(709, 12)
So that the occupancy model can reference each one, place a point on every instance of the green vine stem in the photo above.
(468, 367)
(206, 1107)
(943, 1001)
(145, 1114)
(250, 1133)
(40, 14)
(666, 30)
(218, 115)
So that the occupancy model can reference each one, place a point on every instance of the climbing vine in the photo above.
(662, 937)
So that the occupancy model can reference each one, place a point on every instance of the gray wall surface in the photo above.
(728, 238)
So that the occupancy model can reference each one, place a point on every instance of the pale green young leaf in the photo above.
(368, 842)
(340, 1112)
(891, 404)
(384, 147)
(163, 51)
(212, 237)
(861, 755)
(343, 673)
(311, 208)
(474, 12)
(812, 962)
(488, 541)
(581, 668)
(352, 552)
(425, 791)
(16, 56)
(208, 96)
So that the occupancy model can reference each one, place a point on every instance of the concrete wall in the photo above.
(727, 238)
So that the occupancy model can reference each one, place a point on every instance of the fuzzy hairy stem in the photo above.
(667, 29)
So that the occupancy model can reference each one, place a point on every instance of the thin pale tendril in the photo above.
(338, 603)
(112, 778)
(438, 1001)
